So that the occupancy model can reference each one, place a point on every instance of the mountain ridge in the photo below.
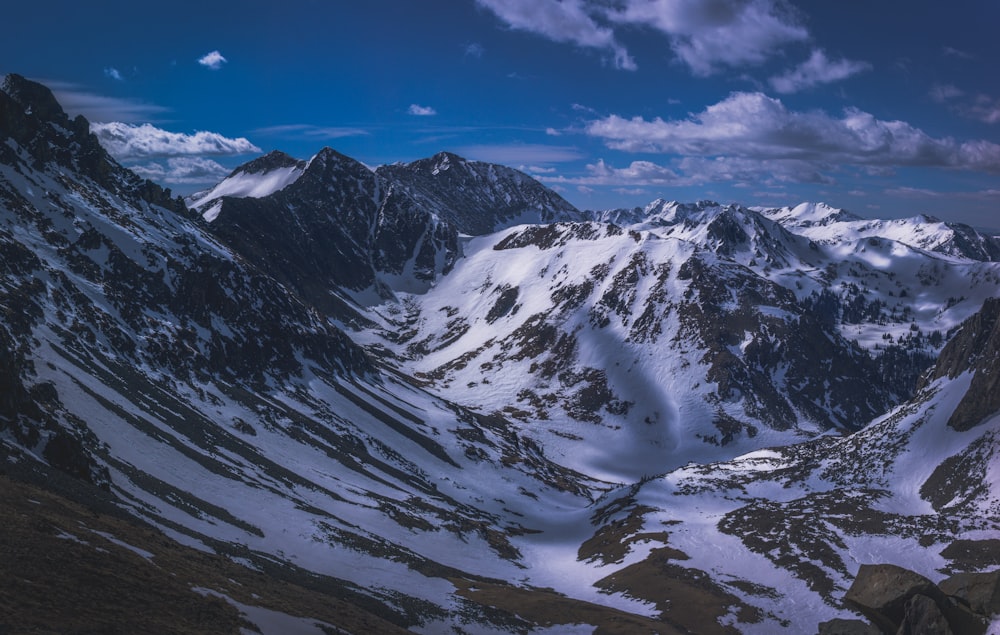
(702, 421)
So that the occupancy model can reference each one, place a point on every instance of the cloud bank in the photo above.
(755, 126)
(183, 171)
(561, 21)
(125, 141)
(705, 35)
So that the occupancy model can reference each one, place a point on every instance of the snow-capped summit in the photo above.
(809, 215)
(258, 178)
(828, 225)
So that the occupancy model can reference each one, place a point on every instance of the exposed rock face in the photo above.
(980, 591)
(976, 349)
(475, 197)
(901, 602)
(31, 117)
(847, 627)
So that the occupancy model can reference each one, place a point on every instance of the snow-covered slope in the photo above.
(697, 333)
(572, 425)
(824, 224)
(912, 489)
(262, 176)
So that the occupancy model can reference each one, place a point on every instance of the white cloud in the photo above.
(921, 193)
(183, 170)
(77, 101)
(521, 153)
(954, 52)
(985, 109)
(421, 111)
(125, 141)
(707, 34)
(113, 73)
(980, 107)
(536, 169)
(942, 93)
(552, 132)
(561, 21)
(311, 132)
(818, 69)
(755, 126)
(475, 49)
(213, 60)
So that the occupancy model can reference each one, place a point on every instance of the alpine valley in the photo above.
(436, 397)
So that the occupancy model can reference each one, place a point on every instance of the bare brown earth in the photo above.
(58, 576)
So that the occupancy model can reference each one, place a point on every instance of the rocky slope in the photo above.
(477, 198)
(910, 490)
(324, 379)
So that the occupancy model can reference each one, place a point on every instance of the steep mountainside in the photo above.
(258, 178)
(317, 402)
(143, 356)
(912, 489)
(338, 230)
(697, 332)
(475, 197)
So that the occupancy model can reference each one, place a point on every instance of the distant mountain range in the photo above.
(435, 396)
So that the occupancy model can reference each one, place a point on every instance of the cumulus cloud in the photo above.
(182, 171)
(561, 21)
(705, 35)
(818, 69)
(755, 126)
(421, 111)
(213, 60)
(113, 73)
(125, 141)
(708, 34)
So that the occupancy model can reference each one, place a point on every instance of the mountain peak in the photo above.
(477, 197)
(36, 99)
(273, 160)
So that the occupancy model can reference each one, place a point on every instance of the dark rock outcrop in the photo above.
(901, 602)
(475, 197)
(31, 116)
(975, 348)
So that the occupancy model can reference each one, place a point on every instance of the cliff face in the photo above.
(976, 349)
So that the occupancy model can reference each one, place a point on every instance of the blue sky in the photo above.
(887, 109)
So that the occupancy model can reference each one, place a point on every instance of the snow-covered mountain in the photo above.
(826, 225)
(436, 397)
(258, 178)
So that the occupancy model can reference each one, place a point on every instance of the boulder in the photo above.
(880, 593)
(840, 626)
(980, 591)
(921, 616)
